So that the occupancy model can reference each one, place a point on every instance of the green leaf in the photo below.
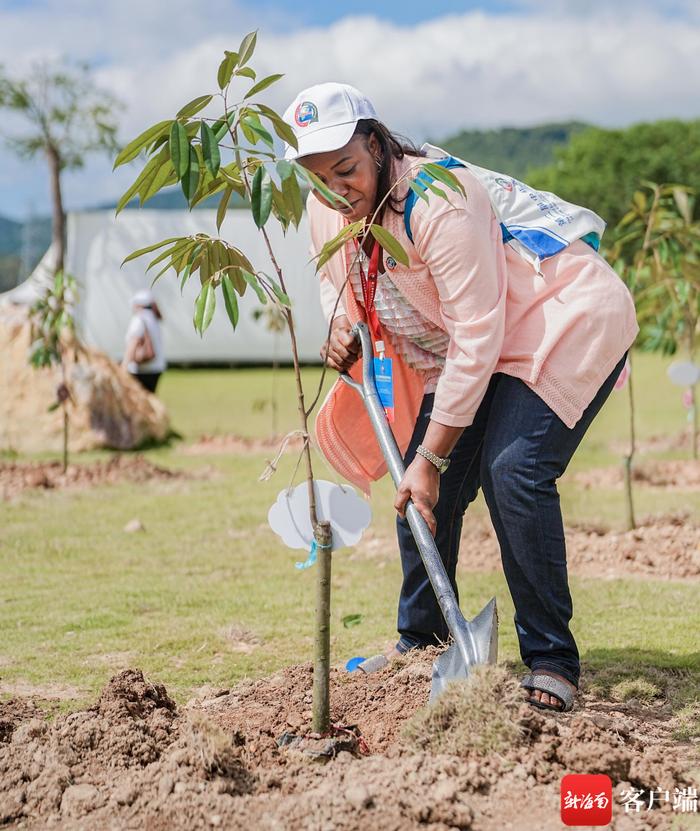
(199, 306)
(221, 127)
(390, 244)
(246, 72)
(148, 170)
(318, 185)
(230, 300)
(160, 178)
(284, 169)
(351, 620)
(209, 308)
(261, 196)
(436, 190)
(247, 47)
(279, 294)
(226, 67)
(280, 209)
(447, 177)
(133, 148)
(148, 249)
(190, 181)
(252, 281)
(338, 241)
(419, 191)
(261, 85)
(223, 207)
(210, 149)
(292, 196)
(176, 249)
(179, 149)
(257, 130)
(680, 196)
(195, 105)
(283, 130)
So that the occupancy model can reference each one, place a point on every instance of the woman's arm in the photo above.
(461, 246)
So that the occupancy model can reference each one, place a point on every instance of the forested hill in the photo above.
(511, 150)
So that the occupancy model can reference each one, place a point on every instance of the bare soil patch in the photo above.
(661, 548)
(658, 443)
(243, 758)
(674, 475)
(231, 443)
(19, 476)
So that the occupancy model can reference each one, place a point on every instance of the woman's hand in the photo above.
(421, 483)
(342, 349)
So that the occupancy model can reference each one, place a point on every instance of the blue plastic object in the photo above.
(354, 663)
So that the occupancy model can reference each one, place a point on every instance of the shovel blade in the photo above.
(453, 665)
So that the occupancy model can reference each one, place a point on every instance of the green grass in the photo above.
(80, 598)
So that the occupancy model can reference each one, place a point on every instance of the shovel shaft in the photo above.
(424, 539)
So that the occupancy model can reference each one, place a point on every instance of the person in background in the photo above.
(144, 357)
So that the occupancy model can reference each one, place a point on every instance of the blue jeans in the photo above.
(515, 449)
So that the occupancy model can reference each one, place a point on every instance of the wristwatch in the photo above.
(440, 464)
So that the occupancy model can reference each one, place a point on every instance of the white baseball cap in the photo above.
(324, 118)
(143, 297)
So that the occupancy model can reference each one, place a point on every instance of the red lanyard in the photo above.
(369, 289)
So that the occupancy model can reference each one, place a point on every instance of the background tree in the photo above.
(68, 117)
(235, 153)
(602, 169)
(659, 240)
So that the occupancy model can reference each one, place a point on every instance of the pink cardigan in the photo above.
(561, 331)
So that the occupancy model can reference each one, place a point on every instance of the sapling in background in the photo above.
(52, 321)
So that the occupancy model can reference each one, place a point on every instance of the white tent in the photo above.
(98, 242)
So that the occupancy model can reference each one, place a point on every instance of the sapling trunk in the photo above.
(694, 419)
(322, 640)
(627, 462)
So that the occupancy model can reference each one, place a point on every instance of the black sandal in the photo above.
(552, 686)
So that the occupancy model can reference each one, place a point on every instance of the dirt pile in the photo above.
(109, 408)
(243, 759)
(665, 547)
(19, 476)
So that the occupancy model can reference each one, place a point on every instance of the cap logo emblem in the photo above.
(306, 113)
(390, 262)
(504, 183)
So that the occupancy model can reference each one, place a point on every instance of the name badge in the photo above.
(384, 380)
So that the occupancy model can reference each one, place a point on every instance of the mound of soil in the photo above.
(666, 547)
(675, 475)
(109, 408)
(244, 759)
(19, 476)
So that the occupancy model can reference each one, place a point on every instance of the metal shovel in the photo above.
(475, 641)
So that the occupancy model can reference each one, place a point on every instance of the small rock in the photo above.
(359, 797)
(215, 820)
(134, 525)
(445, 791)
(180, 787)
(79, 799)
(125, 794)
(165, 786)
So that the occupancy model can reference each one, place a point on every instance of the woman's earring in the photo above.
(378, 161)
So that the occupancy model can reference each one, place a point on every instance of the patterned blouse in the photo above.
(418, 341)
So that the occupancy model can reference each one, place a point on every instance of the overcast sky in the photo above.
(431, 68)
